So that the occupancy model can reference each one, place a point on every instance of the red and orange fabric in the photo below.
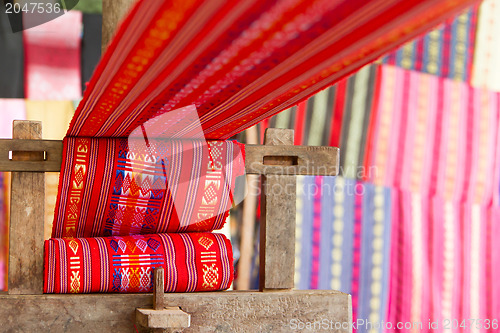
(133, 186)
(240, 62)
(192, 262)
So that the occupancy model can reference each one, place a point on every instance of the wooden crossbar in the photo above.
(303, 160)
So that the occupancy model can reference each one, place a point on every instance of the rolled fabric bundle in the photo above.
(192, 262)
(129, 186)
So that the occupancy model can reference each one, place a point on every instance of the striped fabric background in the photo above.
(409, 227)
(352, 253)
(446, 51)
(486, 65)
(416, 214)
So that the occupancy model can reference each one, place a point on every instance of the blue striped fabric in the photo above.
(336, 259)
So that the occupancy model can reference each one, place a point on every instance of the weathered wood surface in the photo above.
(159, 289)
(277, 229)
(291, 160)
(48, 162)
(247, 231)
(260, 160)
(26, 218)
(168, 320)
(113, 12)
(231, 311)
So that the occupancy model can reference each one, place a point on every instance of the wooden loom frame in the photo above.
(272, 309)
(275, 308)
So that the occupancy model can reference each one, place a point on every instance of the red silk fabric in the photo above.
(125, 187)
(192, 262)
(240, 62)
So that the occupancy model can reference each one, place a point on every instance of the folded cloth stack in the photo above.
(153, 205)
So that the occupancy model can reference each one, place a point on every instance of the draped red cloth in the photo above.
(127, 187)
(192, 262)
(240, 62)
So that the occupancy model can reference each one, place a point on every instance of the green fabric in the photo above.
(318, 118)
(356, 124)
(283, 118)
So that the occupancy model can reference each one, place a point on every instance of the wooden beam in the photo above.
(277, 228)
(161, 318)
(230, 311)
(48, 156)
(247, 230)
(168, 320)
(113, 12)
(260, 160)
(291, 160)
(159, 289)
(26, 218)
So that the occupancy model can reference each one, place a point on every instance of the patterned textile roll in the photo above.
(112, 187)
(192, 262)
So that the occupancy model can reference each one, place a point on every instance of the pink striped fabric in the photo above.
(10, 109)
(52, 58)
(436, 136)
(443, 263)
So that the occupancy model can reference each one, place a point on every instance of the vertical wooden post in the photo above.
(248, 221)
(159, 289)
(112, 13)
(26, 218)
(277, 229)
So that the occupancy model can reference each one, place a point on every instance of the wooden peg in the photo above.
(162, 318)
(159, 289)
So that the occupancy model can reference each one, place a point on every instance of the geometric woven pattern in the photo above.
(117, 187)
(126, 264)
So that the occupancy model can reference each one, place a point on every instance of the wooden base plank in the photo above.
(230, 311)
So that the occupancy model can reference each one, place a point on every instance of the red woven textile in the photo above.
(192, 262)
(127, 187)
(240, 62)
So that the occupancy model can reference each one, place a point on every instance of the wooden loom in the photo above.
(272, 309)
